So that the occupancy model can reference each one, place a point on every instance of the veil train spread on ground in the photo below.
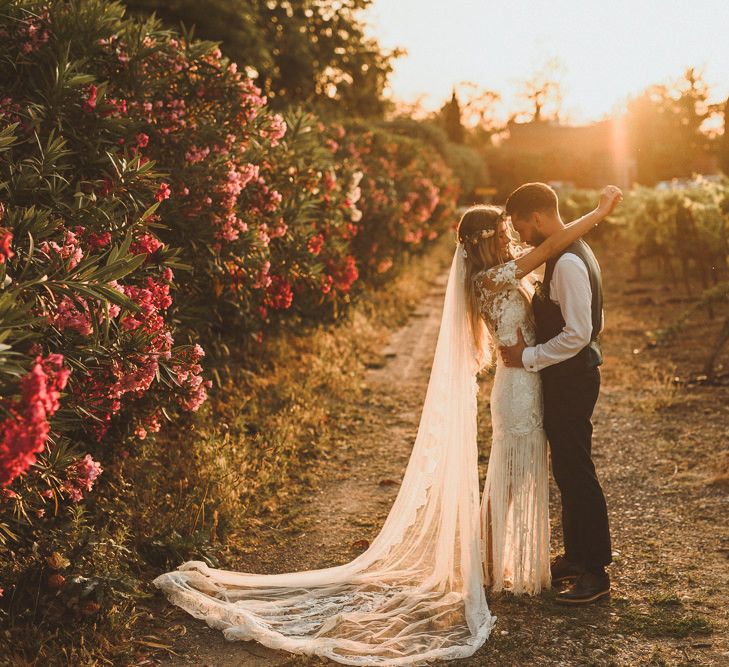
(416, 594)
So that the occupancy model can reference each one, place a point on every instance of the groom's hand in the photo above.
(610, 197)
(511, 354)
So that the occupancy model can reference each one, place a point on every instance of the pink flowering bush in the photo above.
(160, 171)
(406, 196)
(86, 282)
(255, 200)
(92, 355)
(155, 213)
(264, 206)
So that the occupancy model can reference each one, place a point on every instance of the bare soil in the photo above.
(658, 445)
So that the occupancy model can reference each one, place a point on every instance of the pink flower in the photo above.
(346, 275)
(80, 476)
(90, 103)
(330, 180)
(146, 243)
(274, 199)
(69, 316)
(71, 249)
(189, 375)
(142, 140)
(149, 424)
(263, 279)
(263, 234)
(136, 381)
(118, 107)
(163, 192)
(74, 493)
(25, 431)
(276, 129)
(195, 154)
(279, 230)
(97, 241)
(6, 238)
(315, 244)
(278, 293)
(326, 284)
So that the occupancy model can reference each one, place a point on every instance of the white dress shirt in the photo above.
(570, 289)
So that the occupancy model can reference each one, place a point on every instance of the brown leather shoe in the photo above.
(587, 588)
(563, 569)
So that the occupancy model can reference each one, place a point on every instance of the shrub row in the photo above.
(154, 209)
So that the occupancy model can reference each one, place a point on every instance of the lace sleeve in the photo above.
(500, 276)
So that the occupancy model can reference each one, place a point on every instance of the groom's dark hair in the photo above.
(531, 197)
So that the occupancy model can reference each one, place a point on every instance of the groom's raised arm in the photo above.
(571, 287)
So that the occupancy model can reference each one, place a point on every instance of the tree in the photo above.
(450, 118)
(724, 142)
(479, 113)
(692, 109)
(543, 92)
(665, 128)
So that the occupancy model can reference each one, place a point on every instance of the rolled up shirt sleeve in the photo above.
(570, 288)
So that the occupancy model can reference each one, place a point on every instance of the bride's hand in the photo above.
(610, 197)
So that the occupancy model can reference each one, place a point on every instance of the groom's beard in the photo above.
(537, 238)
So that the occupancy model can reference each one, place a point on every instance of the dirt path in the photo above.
(655, 449)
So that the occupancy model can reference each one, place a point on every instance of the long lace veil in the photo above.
(416, 594)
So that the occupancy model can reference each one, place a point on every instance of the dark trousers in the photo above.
(569, 400)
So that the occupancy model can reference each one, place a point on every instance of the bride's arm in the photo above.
(556, 243)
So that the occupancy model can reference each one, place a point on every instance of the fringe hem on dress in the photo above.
(515, 515)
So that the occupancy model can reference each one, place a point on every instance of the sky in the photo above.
(607, 50)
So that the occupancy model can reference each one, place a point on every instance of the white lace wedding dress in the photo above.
(416, 594)
(515, 500)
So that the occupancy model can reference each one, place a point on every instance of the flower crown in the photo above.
(483, 234)
(487, 232)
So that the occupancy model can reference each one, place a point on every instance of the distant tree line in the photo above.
(671, 131)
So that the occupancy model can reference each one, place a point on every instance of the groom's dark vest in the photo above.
(549, 320)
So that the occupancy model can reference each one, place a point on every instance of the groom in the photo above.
(568, 316)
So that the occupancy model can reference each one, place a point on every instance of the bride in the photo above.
(417, 593)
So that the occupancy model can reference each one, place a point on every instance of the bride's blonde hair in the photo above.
(478, 231)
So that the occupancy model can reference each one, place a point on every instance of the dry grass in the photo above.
(658, 390)
(721, 478)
